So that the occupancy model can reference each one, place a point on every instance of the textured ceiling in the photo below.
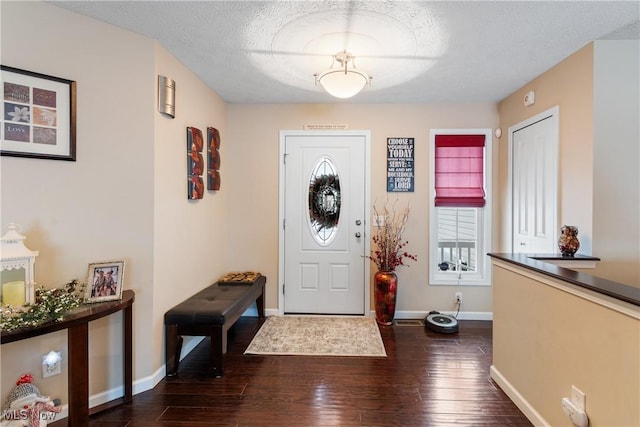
(416, 51)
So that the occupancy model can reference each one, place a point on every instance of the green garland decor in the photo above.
(50, 305)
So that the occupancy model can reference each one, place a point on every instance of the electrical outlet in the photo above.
(577, 416)
(458, 297)
(578, 397)
(51, 364)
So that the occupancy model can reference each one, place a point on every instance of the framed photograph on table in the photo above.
(105, 281)
(38, 115)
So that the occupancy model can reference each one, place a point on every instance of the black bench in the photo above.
(212, 312)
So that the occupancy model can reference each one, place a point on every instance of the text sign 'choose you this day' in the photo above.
(400, 164)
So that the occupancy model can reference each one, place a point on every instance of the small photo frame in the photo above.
(105, 281)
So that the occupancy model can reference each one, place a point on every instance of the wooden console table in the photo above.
(76, 322)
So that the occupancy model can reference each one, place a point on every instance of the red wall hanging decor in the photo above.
(195, 164)
(213, 155)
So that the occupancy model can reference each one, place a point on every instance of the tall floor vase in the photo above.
(386, 287)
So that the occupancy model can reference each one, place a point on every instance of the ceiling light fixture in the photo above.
(342, 81)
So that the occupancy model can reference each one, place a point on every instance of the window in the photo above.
(460, 207)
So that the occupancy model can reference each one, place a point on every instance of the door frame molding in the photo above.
(367, 207)
(554, 114)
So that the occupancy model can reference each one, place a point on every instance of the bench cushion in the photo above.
(214, 303)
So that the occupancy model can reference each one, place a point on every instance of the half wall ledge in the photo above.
(540, 264)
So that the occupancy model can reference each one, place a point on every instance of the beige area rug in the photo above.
(318, 336)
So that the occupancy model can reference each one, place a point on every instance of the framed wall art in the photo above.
(195, 164)
(213, 157)
(38, 117)
(105, 281)
(400, 165)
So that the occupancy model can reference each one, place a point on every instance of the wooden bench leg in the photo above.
(260, 304)
(172, 349)
(218, 349)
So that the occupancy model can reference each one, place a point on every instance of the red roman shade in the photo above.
(459, 171)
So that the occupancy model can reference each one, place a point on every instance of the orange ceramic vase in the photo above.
(386, 287)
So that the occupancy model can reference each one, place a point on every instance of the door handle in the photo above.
(358, 235)
(523, 244)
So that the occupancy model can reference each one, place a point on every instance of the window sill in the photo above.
(453, 281)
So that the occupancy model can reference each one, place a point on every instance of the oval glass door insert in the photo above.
(324, 201)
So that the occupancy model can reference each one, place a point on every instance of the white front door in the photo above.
(534, 166)
(325, 195)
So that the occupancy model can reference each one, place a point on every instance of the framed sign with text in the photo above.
(400, 165)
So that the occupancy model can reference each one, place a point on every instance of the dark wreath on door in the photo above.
(324, 201)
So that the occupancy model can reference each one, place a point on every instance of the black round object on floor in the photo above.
(442, 323)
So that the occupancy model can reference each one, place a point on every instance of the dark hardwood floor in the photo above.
(427, 379)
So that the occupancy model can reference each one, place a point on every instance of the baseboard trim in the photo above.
(519, 400)
(463, 315)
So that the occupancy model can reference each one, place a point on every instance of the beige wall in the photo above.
(568, 85)
(124, 198)
(545, 340)
(599, 152)
(189, 249)
(251, 175)
(94, 209)
(616, 147)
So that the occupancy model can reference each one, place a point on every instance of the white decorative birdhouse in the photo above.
(17, 278)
